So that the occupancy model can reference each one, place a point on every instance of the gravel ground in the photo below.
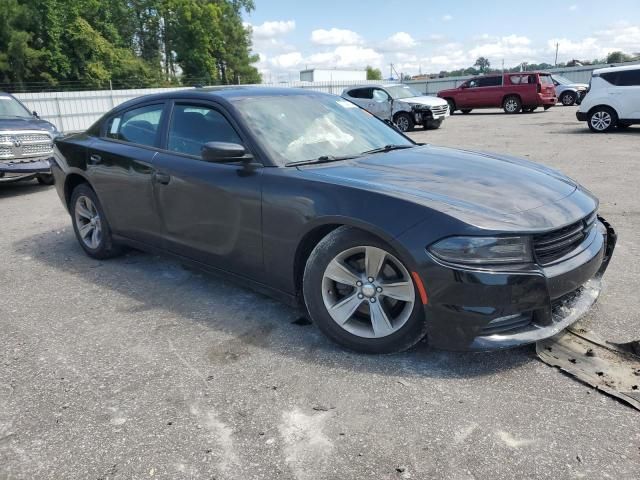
(139, 368)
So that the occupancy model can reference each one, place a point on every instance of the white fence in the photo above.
(77, 111)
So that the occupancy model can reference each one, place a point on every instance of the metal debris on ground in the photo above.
(613, 368)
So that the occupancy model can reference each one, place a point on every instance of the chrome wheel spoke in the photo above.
(95, 238)
(85, 230)
(379, 320)
(402, 291)
(374, 260)
(345, 308)
(83, 211)
(338, 271)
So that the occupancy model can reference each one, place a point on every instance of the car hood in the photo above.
(423, 100)
(26, 124)
(468, 185)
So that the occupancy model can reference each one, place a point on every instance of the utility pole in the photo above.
(557, 45)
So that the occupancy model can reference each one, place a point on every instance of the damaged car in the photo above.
(26, 143)
(306, 197)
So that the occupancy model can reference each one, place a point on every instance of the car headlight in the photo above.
(418, 106)
(483, 250)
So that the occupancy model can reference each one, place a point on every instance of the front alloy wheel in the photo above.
(568, 99)
(404, 122)
(361, 294)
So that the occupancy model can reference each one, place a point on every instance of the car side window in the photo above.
(138, 125)
(193, 125)
(472, 83)
(489, 82)
(628, 78)
(380, 95)
(365, 93)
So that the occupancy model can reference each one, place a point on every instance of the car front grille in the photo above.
(551, 246)
(24, 145)
(440, 109)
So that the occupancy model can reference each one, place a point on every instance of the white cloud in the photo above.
(400, 41)
(273, 29)
(287, 61)
(622, 37)
(447, 18)
(335, 36)
(346, 56)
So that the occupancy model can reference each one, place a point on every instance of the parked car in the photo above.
(402, 104)
(26, 143)
(568, 92)
(307, 197)
(514, 92)
(613, 99)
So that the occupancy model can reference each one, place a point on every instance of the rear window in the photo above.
(546, 80)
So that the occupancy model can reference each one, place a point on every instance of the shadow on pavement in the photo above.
(254, 321)
(15, 189)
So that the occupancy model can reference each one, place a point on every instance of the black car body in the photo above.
(262, 222)
(26, 143)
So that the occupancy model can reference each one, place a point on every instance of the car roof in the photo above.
(222, 94)
(635, 66)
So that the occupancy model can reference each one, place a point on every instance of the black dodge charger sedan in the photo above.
(309, 198)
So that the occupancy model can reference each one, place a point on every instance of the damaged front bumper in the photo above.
(508, 309)
(19, 170)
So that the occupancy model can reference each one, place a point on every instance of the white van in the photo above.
(613, 99)
(400, 103)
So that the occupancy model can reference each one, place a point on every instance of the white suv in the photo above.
(613, 99)
(400, 104)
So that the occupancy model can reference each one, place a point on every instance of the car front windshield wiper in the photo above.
(387, 148)
(322, 159)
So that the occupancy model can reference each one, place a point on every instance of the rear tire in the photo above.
(380, 316)
(466, 111)
(602, 119)
(512, 104)
(90, 224)
(404, 122)
(45, 179)
(568, 98)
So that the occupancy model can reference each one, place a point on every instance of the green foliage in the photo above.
(618, 57)
(483, 64)
(130, 43)
(373, 73)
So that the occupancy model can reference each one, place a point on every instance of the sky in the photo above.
(429, 36)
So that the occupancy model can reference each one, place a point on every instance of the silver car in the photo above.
(401, 104)
(568, 92)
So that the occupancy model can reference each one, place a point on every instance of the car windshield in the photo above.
(10, 107)
(402, 91)
(562, 80)
(296, 128)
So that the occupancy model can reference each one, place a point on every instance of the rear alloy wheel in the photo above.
(568, 98)
(404, 122)
(361, 295)
(90, 224)
(512, 104)
(602, 119)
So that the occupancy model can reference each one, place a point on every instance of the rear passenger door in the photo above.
(211, 211)
(119, 166)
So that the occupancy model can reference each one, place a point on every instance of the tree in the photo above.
(373, 73)
(482, 63)
(618, 57)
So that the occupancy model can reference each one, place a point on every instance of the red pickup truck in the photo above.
(514, 92)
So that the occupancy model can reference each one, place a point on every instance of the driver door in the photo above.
(211, 212)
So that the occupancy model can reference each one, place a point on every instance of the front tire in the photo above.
(568, 98)
(361, 295)
(512, 104)
(602, 119)
(452, 105)
(404, 122)
(90, 224)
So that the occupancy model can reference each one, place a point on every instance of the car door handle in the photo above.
(94, 159)
(162, 178)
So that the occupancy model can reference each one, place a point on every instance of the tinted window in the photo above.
(361, 93)
(489, 81)
(139, 125)
(193, 126)
(624, 78)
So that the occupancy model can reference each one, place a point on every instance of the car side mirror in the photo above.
(464, 85)
(35, 114)
(223, 152)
